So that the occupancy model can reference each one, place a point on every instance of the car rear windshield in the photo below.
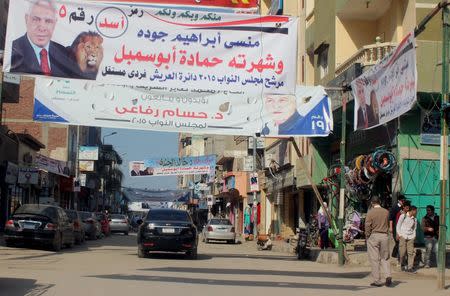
(117, 216)
(85, 215)
(168, 216)
(72, 215)
(220, 222)
(41, 210)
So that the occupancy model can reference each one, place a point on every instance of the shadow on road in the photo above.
(264, 256)
(110, 243)
(173, 256)
(236, 283)
(20, 287)
(345, 275)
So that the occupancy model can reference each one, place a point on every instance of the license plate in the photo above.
(168, 230)
(29, 226)
(222, 229)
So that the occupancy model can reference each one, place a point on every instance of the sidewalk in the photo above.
(356, 258)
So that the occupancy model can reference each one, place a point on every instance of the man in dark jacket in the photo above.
(430, 227)
(34, 52)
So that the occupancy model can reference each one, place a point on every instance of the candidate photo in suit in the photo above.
(286, 120)
(34, 52)
(367, 117)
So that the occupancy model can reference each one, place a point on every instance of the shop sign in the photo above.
(248, 164)
(51, 165)
(86, 165)
(12, 172)
(83, 179)
(88, 153)
(254, 183)
(28, 176)
(259, 143)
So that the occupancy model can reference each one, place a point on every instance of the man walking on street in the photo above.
(430, 227)
(406, 233)
(377, 227)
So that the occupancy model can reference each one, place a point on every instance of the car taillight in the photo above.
(50, 226)
(210, 228)
(232, 229)
(10, 224)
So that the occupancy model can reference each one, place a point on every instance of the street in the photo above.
(111, 267)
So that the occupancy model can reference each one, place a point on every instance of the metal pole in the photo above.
(444, 148)
(255, 212)
(342, 183)
(77, 166)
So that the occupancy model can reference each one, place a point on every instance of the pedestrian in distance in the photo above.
(376, 229)
(430, 228)
(324, 225)
(406, 234)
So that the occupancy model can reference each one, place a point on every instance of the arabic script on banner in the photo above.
(163, 47)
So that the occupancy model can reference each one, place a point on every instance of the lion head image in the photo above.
(87, 50)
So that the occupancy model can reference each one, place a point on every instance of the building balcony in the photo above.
(368, 10)
(368, 55)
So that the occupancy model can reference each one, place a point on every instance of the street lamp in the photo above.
(111, 134)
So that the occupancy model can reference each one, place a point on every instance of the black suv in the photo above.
(167, 230)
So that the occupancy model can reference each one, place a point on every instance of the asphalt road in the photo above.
(111, 267)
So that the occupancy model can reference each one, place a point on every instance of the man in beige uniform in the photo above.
(377, 226)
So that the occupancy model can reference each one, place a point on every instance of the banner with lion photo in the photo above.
(165, 48)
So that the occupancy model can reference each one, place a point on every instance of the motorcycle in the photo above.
(302, 249)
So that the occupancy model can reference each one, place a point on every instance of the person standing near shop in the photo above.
(324, 224)
(393, 217)
(430, 228)
(406, 234)
(376, 229)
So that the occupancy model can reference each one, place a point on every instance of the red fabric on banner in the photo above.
(219, 3)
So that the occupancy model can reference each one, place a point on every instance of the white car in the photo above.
(219, 230)
(119, 223)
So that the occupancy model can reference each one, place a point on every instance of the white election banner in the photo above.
(388, 89)
(79, 102)
(149, 46)
(170, 166)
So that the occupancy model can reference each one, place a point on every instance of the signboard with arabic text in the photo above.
(169, 166)
(201, 111)
(88, 153)
(159, 47)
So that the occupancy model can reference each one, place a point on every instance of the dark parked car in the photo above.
(78, 228)
(39, 224)
(103, 219)
(167, 230)
(92, 228)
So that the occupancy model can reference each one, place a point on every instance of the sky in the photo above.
(139, 145)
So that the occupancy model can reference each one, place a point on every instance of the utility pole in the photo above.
(341, 259)
(255, 215)
(444, 147)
